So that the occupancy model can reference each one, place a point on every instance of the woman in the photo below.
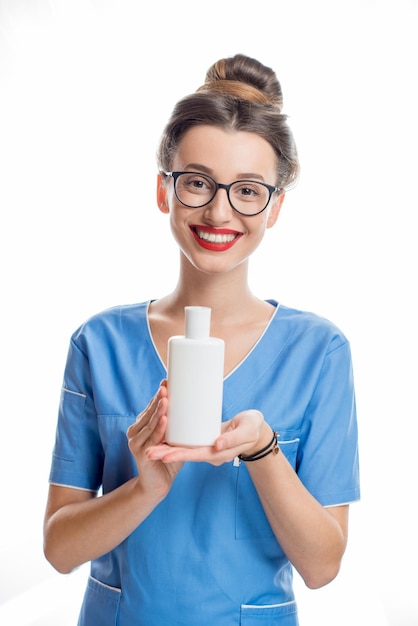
(208, 535)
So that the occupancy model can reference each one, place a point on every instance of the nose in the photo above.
(219, 209)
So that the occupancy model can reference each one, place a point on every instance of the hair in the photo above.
(239, 94)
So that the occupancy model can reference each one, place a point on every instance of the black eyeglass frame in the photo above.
(271, 189)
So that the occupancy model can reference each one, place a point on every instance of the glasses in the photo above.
(195, 190)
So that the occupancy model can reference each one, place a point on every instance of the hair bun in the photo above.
(244, 78)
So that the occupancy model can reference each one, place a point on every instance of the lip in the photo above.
(215, 239)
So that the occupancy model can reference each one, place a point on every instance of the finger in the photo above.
(147, 436)
(170, 454)
(147, 414)
(241, 431)
(158, 434)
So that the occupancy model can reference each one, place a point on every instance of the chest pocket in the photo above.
(251, 521)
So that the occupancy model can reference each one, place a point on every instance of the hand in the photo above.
(245, 433)
(149, 430)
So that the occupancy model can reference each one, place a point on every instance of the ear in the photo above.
(162, 195)
(275, 211)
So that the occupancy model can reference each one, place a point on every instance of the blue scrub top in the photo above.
(206, 554)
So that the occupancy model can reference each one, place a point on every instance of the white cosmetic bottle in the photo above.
(195, 364)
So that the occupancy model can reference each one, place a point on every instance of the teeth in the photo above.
(213, 238)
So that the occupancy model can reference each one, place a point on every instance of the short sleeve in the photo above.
(328, 461)
(77, 458)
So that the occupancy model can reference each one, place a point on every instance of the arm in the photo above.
(313, 537)
(80, 527)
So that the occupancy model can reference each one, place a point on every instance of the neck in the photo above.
(227, 294)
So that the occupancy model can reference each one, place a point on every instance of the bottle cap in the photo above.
(197, 322)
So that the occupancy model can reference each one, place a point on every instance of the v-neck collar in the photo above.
(243, 361)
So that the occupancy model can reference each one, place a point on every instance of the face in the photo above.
(215, 238)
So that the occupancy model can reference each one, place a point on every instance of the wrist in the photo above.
(263, 439)
(151, 494)
(266, 444)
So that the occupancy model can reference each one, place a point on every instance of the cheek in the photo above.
(259, 229)
(178, 223)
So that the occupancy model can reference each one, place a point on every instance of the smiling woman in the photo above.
(280, 476)
(83, 100)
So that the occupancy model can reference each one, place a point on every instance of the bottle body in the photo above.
(195, 385)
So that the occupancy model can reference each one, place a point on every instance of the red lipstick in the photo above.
(216, 239)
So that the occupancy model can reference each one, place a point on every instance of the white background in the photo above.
(85, 89)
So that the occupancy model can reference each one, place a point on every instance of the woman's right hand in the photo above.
(149, 430)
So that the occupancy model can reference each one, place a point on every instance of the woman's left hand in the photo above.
(244, 433)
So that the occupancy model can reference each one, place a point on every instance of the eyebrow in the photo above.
(203, 168)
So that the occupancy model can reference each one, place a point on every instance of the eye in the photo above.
(196, 183)
(247, 190)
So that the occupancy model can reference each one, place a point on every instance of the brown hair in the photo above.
(241, 94)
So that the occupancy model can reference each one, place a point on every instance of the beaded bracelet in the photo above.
(271, 447)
